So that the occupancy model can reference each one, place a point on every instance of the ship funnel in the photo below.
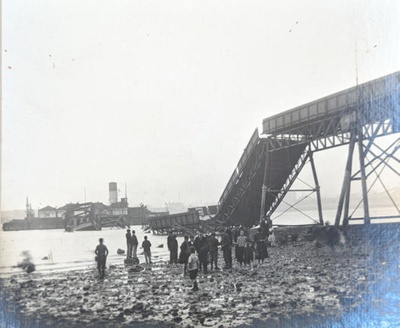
(113, 192)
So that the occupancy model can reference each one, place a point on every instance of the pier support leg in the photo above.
(264, 188)
(317, 188)
(363, 180)
(346, 184)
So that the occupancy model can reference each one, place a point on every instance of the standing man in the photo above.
(213, 245)
(146, 249)
(170, 242)
(226, 246)
(198, 244)
(202, 248)
(173, 249)
(184, 254)
(240, 244)
(128, 236)
(101, 252)
(135, 244)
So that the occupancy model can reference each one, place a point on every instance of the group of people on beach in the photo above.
(132, 245)
(197, 252)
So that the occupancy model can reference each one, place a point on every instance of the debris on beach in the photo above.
(292, 283)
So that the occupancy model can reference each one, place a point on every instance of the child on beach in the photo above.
(271, 238)
(193, 267)
(146, 250)
(248, 254)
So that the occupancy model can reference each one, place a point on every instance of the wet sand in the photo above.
(293, 288)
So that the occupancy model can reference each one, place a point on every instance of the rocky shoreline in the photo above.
(293, 288)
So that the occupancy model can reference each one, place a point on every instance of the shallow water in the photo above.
(71, 250)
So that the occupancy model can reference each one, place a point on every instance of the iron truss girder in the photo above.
(320, 136)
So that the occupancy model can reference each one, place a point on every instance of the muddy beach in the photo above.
(293, 288)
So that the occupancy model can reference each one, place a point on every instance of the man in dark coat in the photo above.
(128, 236)
(226, 246)
(146, 250)
(184, 254)
(213, 246)
(201, 246)
(173, 249)
(135, 244)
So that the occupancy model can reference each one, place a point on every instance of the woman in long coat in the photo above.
(184, 254)
(261, 246)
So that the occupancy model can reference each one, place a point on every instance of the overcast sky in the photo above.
(164, 95)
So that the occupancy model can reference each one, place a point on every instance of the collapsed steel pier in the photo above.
(270, 164)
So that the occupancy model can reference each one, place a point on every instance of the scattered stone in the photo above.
(278, 289)
(120, 251)
(131, 261)
(332, 290)
(138, 307)
(136, 268)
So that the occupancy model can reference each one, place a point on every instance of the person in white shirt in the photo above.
(240, 244)
(193, 267)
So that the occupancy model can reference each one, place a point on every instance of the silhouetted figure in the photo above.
(213, 246)
(261, 246)
(226, 246)
(173, 249)
(248, 254)
(146, 250)
(184, 254)
(201, 247)
(101, 252)
(128, 236)
(240, 244)
(135, 244)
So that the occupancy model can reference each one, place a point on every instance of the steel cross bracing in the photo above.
(380, 160)
(280, 194)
